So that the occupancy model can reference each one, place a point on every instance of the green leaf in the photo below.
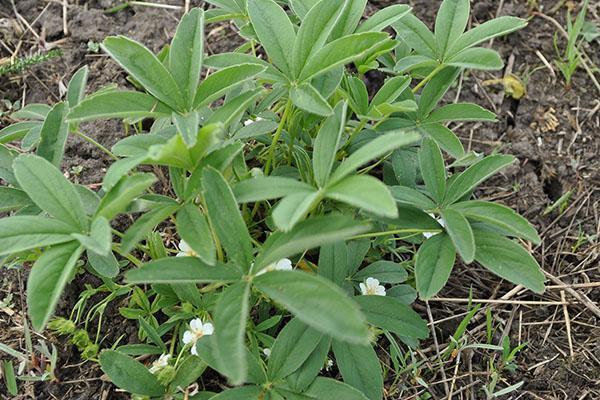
(186, 53)
(226, 219)
(433, 265)
(307, 98)
(120, 168)
(474, 175)
(222, 81)
(47, 280)
(308, 371)
(50, 190)
(240, 393)
(317, 302)
(106, 266)
(360, 368)
(144, 224)
(416, 35)
(293, 208)
(384, 18)
(307, 234)
(175, 270)
(275, 32)
(224, 60)
(20, 233)
(129, 374)
(33, 111)
(120, 197)
(460, 232)
(188, 126)
(433, 169)
(118, 104)
(188, 372)
(316, 27)
(365, 192)
(16, 131)
(293, 346)
(436, 89)
(350, 18)
(405, 294)
(389, 313)
(461, 112)
(233, 108)
(477, 58)
(76, 88)
(372, 150)
(391, 90)
(100, 238)
(451, 21)
(340, 52)
(384, 271)
(13, 199)
(138, 61)
(486, 31)
(333, 262)
(53, 135)
(327, 388)
(445, 138)
(230, 317)
(500, 216)
(327, 143)
(302, 7)
(192, 226)
(508, 260)
(411, 197)
(267, 188)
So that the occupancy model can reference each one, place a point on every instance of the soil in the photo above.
(554, 131)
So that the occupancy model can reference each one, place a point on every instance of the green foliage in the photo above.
(297, 200)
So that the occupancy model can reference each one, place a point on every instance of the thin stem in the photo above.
(98, 145)
(428, 78)
(276, 136)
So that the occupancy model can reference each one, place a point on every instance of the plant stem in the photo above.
(428, 78)
(276, 136)
(98, 145)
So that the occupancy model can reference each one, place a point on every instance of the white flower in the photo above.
(250, 122)
(372, 287)
(439, 221)
(267, 352)
(185, 250)
(196, 332)
(282, 265)
(159, 364)
(328, 364)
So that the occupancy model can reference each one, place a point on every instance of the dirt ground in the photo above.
(554, 131)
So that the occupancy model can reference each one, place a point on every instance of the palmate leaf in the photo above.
(460, 232)
(123, 193)
(268, 188)
(451, 21)
(433, 169)
(486, 31)
(76, 88)
(434, 262)
(349, 19)
(360, 368)
(192, 226)
(389, 313)
(477, 58)
(294, 208)
(384, 18)
(307, 98)
(130, 374)
(364, 192)
(20, 233)
(416, 35)
(53, 135)
(175, 270)
(327, 143)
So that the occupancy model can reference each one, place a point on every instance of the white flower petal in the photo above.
(188, 337)
(283, 265)
(363, 288)
(193, 350)
(267, 352)
(196, 325)
(208, 328)
(184, 246)
(380, 291)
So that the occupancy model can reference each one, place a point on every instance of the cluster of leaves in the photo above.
(268, 158)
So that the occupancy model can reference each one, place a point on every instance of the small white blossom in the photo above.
(328, 364)
(267, 352)
(196, 332)
(159, 364)
(185, 250)
(282, 265)
(439, 221)
(250, 121)
(372, 287)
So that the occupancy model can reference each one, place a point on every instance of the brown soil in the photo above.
(554, 132)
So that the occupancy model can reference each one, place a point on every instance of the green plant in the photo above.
(570, 59)
(296, 199)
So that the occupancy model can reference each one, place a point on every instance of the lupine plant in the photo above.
(296, 215)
